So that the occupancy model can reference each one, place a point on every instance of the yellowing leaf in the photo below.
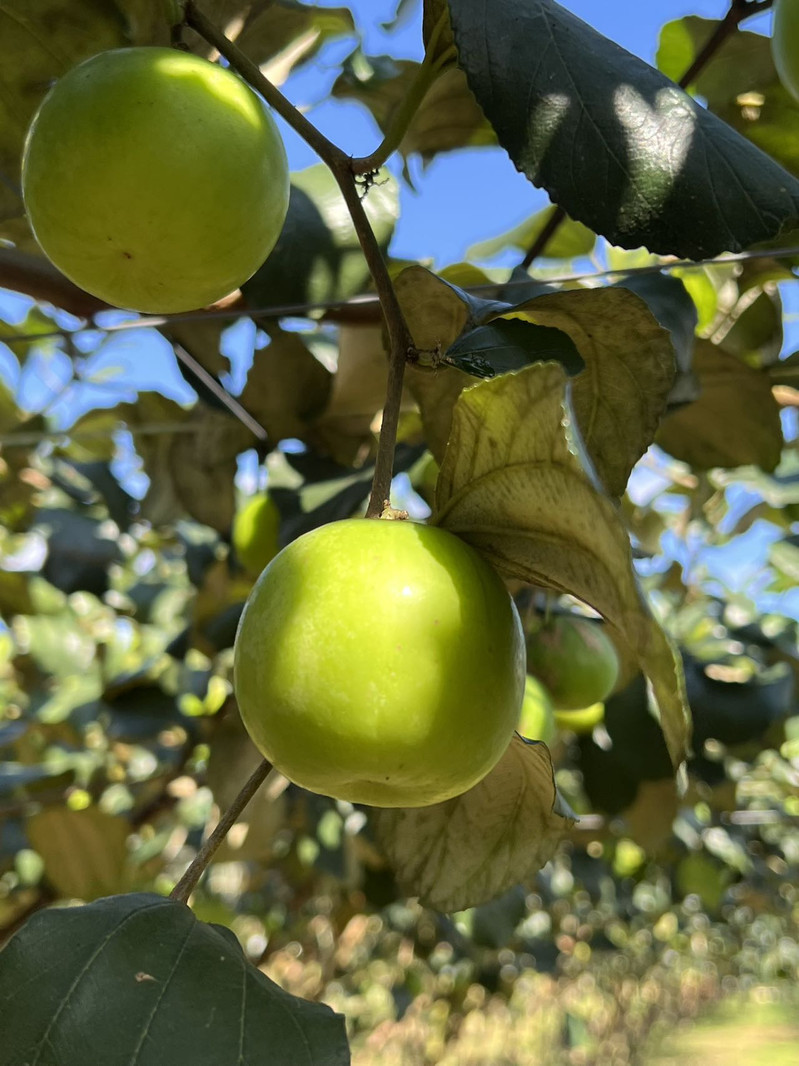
(514, 485)
(735, 420)
(472, 848)
(629, 369)
(84, 852)
(618, 398)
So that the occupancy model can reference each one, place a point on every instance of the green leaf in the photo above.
(752, 328)
(138, 979)
(202, 466)
(617, 145)
(474, 847)
(513, 484)
(629, 371)
(91, 437)
(437, 312)
(10, 414)
(735, 421)
(570, 240)
(448, 117)
(78, 553)
(56, 644)
(510, 344)
(35, 323)
(318, 257)
(84, 852)
(190, 458)
(15, 597)
(286, 387)
(739, 83)
(618, 398)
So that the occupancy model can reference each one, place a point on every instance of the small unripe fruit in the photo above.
(255, 533)
(574, 660)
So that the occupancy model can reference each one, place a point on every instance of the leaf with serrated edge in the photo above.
(514, 484)
(469, 849)
(615, 144)
(629, 370)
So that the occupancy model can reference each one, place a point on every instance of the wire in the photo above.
(303, 310)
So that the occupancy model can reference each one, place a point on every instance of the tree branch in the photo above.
(400, 347)
(340, 165)
(34, 276)
(187, 884)
(553, 224)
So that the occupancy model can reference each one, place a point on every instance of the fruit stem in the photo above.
(401, 344)
(187, 884)
(736, 13)
(340, 165)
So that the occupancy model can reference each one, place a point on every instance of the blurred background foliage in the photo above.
(120, 593)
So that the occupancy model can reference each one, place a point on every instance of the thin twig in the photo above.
(400, 347)
(553, 224)
(327, 151)
(401, 342)
(427, 73)
(186, 885)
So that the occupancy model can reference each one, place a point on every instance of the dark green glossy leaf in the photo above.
(735, 710)
(78, 552)
(739, 83)
(613, 142)
(139, 979)
(509, 344)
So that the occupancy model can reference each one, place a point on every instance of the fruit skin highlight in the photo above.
(574, 660)
(380, 662)
(154, 180)
(785, 44)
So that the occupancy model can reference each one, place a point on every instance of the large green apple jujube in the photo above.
(380, 662)
(154, 180)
